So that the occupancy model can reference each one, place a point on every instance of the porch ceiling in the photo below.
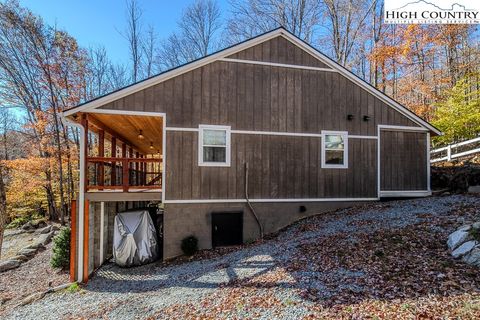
(127, 128)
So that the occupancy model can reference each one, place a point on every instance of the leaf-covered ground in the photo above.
(383, 260)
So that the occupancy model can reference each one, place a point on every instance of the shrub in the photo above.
(17, 222)
(189, 245)
(74, 287)
(475, 234)
(61, 249)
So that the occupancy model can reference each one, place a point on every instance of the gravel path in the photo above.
(244, 283)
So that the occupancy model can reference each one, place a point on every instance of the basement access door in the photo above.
(227, 229)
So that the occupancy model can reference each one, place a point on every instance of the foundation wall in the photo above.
(183, 220)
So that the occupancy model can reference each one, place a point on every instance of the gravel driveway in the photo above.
(277, 278)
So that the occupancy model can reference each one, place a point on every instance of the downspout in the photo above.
(81, 194)
(248, 201)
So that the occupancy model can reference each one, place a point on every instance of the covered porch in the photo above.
(123, 157)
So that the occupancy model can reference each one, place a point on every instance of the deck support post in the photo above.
(113, 173)
(124, 168)
(101, 153)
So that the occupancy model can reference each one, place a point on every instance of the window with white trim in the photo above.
(214, 146)
(335, 149)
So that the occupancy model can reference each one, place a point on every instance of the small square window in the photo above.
(214, 146)
(334, 149)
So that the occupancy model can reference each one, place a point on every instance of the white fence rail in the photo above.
(454, 151)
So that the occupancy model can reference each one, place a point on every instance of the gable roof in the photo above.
(222, 54)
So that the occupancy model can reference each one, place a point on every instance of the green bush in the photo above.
(17, 222)
(61, 249)
(189, 245)
(74, 287)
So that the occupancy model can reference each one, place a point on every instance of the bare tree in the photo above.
(199, 24)
(133, 34)
(198, 33)
(345, 22)
(250, 18)
(97, 77)
(149, 48)
(173, 52)
(118, 76)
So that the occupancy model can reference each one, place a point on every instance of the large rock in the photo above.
(35, 245)
(473, 257)
(27, 252)
(476, 225)
(20, 257)
(45, 238)
(9, 264)
(27, 226)
(47, 229)
(40, 223)
(464, 249)
(457, 238)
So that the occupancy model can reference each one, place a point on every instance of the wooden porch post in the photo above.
(113, 172)
(101, 153)
(124, 168)
(137, 168)
(143, 164)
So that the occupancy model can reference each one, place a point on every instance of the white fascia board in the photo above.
(406, 193)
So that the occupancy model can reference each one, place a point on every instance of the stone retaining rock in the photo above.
(457, 238)
(36, 246)
(464, 249)
(20, 257)
(473, 257)
(27, 252)
(464, 243)
(44, 239)
(9, 264)
(47, 229)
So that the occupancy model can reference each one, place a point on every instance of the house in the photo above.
(242, 142)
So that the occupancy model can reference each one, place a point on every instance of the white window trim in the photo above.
(202, 163)
(344, 135)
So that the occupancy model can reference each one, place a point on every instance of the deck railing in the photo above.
(455, 151)
(125, 174)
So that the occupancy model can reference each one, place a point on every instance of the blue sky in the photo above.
(97, 22)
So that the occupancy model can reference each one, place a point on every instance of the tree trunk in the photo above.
(3, 209)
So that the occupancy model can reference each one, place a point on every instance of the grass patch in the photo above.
(74, 287)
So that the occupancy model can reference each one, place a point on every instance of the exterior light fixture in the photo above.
(140, 135)
(366, 118)
(349, 117)
(151, 145)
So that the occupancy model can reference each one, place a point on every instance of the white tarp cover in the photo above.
(134, 238)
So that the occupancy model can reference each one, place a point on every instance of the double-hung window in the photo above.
(335, 149)
(214, 146)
